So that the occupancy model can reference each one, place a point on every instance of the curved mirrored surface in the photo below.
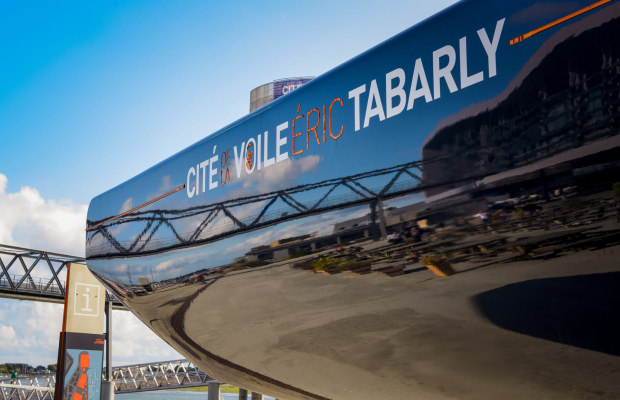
(436, 218)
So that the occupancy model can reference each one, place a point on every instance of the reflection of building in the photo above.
(566, 103)
(270, 91)
(149, 286)
(351, 224)
(280, 249)
(396, 218)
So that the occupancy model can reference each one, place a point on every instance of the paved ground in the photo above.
(505, 327)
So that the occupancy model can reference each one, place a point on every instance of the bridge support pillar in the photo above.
(214, 391)
(243, 394)
(377, 228)
(107, 390)
(257, 396)
(382, 220)
(107, 384)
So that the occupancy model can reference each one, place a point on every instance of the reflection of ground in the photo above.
(508, 324)
(164, 311)
(414, 333)
(546, 230)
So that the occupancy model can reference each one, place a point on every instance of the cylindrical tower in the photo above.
(263, 94)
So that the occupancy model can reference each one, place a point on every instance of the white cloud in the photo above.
(29, 220)
(7, 336)
(133, 342)
(29, 331)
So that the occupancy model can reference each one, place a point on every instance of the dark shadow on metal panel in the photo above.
(581, 311)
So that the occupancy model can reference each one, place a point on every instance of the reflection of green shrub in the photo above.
(616, 188)
(332, 264)
(322, 263)
(249, 264)
(299, 254)
(256, 263)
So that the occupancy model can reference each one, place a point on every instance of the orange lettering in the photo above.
(330, 118)
(249, 153)
(295, 135)
(316, 135)
(323, 124)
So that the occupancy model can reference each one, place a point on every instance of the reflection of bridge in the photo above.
(164, 375)
(223, 218)
(479, 144)
(29, 274)
(41, 278)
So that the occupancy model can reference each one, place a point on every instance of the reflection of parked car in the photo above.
(413, 234)
(505, 206)
(394, 238)
(531, 208)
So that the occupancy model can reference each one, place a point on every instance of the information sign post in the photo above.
(80, 354)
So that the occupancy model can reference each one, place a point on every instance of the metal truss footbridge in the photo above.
(165, 375)
(29, 274)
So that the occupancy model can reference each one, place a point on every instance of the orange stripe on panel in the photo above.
(559, 21)
(136, 208)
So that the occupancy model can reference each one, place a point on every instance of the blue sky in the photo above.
(93, 93)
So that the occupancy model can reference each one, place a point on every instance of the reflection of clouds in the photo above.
(97, 241)
(165, 187)
(120, 268)
(182, 262)
(263, 239)
(166, 265)
(221, 223)
(283, 174)
(127, 205)
(403, 201)
(280, 175)
(322, 224)
(177, 266)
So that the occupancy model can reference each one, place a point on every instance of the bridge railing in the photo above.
(36, 274)
(158, 376)
(33, 285)
(40, 387)
(33, 274)
(145, 377)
